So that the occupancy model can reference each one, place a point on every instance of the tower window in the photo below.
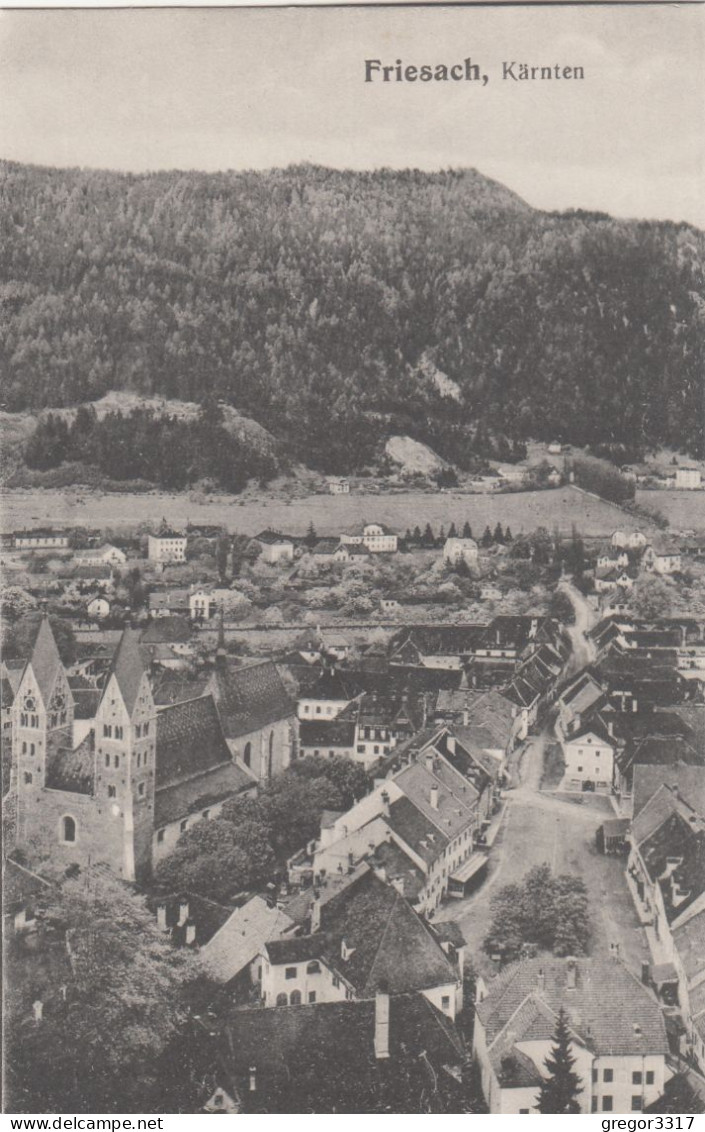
(68, 829)
(28, 778)
(140, 789)
(107, 730)
(112, 791)
(118, 732)
(145, 729)
(24, 748)
(107, 760)
(116, 761)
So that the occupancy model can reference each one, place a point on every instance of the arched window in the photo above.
(68, 829)
(295, 998)
(247, 756)
(270, 755)
(313, 968)
(281, 1000)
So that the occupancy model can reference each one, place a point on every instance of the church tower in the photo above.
(125, 761)
(42, 727)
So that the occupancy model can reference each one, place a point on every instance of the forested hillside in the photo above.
(325, 304)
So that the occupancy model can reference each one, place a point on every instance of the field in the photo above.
(525, 511)
(685, 510)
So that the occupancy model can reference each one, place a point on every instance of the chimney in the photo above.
(384, 796)
(38, 1009)
(645, 973)
(190, 934)
(450, 743)
(541, 981)
(434, 796)
(571, 974)
(253, 1078)
(429, 761)
(382, 1023)
(316, 915)
(183, 912)
(161, 918)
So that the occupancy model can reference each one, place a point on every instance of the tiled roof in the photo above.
(609, 1009)
(688, 932)
(176, 800)
(392, 864)
(190, 741)
(242, 937)
(271, 537)
(327, 733)
(250, 697)
(296, 949)
(333, 685)
(689, 780)
(388, 944)
(415, 830)
(293, 1043)
(73, 770)
(455, 809)
(679, 838)
(175, 687)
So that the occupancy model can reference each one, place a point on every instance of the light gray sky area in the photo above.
(253, 88)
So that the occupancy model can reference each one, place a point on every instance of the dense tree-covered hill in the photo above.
(326, 304)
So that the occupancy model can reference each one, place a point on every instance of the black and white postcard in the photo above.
(352, 538)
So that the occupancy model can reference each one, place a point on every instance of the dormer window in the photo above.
(345, 951)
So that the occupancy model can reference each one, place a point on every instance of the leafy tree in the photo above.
(219, 857)
(651, 598)
(99, 1049)
(544, 911)
(349, 777)
(560, 1090)
(19, 638)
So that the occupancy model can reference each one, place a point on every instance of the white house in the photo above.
(202, 605)
(274, 547)
(460, 549)
(166, 546)
(635, 540)
(41, 539)
(339, 486)
(107, 555)
(688, 479)
(661, 561)
(617, 1031)
(375, 537)
(589, 757)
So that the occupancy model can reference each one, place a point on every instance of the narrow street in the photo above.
(585, 618)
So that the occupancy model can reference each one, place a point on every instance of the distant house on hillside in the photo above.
(635, 540)
(460, 550)
(41, 539)
(688, 479)
(339, 486)
(274, 546)
(375, 537)
(166, 546)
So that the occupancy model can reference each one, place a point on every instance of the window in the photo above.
(206, 815)
(138, 730)
(295, 998)
(247, 754)
(68, 829)
(445, 1002)
(118, 732)
(594, 1076)
(27, 778)
(107, 760)
(107, 730)
(31, 748)
(312, 996)
(281, 1000)
(140, 790)
(593, 1105)
(116, 761)
(183, 825)
(608, 1075)
(112, 791)
(637, 1103)
(636, 1078)
(523, 1110)
(313, 968)
(24, 748)
(649, 1076)
(607, 1104)
(336, 981)
(145, 729)
(290, 973)
(160, 836)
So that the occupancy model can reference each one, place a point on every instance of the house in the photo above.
(135, 781)
(166, 546)
(588, 753)
(386, 1051)
(661, 560)
(327, 738)
(41, 538)
(331, 693)
(375, 538)
(491, 711)
(609, 559)
(609, 577)
(617, 1031)
(688, 479)
(632, 540)
(232, 954)
(554, 448)
(202, 604)
(363, 938)
(274, 547)
(389, 605)
(168, 603)
(460, 550)
(98, 607)
(339, 486)
(381, 722)
(107, 555)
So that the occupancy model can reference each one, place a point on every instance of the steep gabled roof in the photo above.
(242, 937)
(127, 668)
(45, 659)
(250, 697)
(190, 741)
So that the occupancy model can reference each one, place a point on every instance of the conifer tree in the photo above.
(467, 530)
(487, 539)
(452, 531)
(560, 1090)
